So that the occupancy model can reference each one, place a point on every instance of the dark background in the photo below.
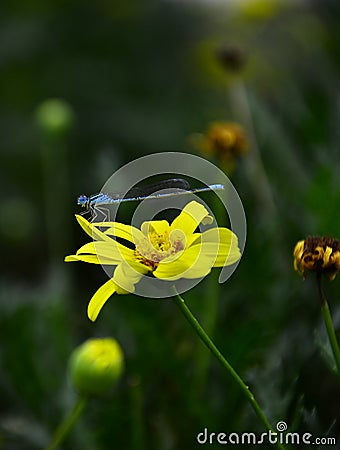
(142, 77)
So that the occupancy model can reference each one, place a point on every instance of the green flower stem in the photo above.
(65, 427)
(326, 314)
(212, 347)
(210, 314)
(203, 357)
(136, 410)
(254, 166)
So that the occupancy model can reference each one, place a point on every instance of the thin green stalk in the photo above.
(215, 351)
(136, 409)
(55, 190)
(210, 313)
(254, 166)
(326, 314)
(203, 358)
(65, 427)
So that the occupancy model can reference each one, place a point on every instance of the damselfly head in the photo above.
(82, 200)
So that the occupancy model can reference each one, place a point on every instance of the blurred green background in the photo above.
(142, 77)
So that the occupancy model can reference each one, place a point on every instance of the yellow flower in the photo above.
(319, 254)
(168, 252)
(225, 141)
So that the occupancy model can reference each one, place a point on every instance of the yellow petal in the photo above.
(122, 231)
(198, 264)
(91, 230)
(212, 254)
(179, 269)
(171, 270)
(126, 277)
(100, 298)
(92, 259)
(220, 244)
(112, 250)
(191, 216)
(197, 260)
(86, 226)
(224, 254)
(219, 234)
(194, 238)
(198, 270)
(157, 226)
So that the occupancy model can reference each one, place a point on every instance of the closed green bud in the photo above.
(54, 118)
(95, 366)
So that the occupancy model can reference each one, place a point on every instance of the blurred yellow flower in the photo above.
(319, 254)
(168, 252)
(261, 9)
(225, 141)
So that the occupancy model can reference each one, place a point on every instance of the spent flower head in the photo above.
(231, 58)
(165, 251)
(318, 254)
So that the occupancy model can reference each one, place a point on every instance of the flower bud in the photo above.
(54, 118)
(95, 366)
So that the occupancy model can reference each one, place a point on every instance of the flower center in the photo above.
(157, 246)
